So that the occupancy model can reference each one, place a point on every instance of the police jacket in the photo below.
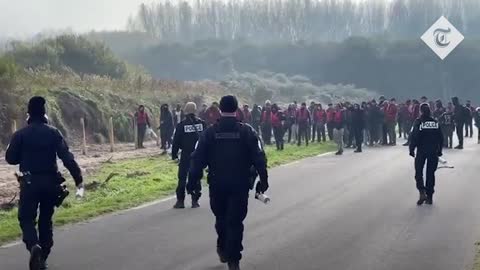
(186, 135)
(426, 136)
(36, 147)
(229, 149)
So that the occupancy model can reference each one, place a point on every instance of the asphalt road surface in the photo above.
(355, 212)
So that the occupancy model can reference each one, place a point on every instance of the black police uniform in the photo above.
(185, 138)
(35, 148)
(229, 149)
(427, 138)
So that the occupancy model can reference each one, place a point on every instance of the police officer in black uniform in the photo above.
(427, 138)
(185, 139)
(230, 150)
(35, 148)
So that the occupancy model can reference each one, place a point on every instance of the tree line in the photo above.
(295, 20)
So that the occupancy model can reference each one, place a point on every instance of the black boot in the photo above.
(358, 150)
(429, 200)
(460, 147)
(195, 203)
(35, 257)
(233, 266)
(180, 204)
(221, 256)
(422, 199)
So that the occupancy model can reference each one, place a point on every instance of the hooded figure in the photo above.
(166, 127)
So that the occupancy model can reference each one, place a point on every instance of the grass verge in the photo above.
(138, 181)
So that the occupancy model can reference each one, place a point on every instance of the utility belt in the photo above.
(25, 179)
(252, 177)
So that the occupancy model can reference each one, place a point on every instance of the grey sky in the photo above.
(27, 17)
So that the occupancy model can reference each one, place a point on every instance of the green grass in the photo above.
(476, 263)
(138, 181)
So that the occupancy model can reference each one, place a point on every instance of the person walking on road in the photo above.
(186, 136)
(229, 149)
(460, 119)
(358, 125)
(35, 148)
(427, 139)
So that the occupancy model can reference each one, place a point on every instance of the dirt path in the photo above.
(96, 156)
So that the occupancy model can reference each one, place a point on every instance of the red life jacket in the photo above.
(319, 116)
(338, 118)
(330, 115)
(302, 115)
(142, 118)
(275, 118)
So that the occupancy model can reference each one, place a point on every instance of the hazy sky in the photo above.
(26, 17)
(22, 18)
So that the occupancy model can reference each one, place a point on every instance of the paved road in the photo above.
(355, 212)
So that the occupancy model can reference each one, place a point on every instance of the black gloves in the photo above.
(261, 187)
(412, 153)
(440, 154)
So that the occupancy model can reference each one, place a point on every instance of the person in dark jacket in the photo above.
(358, 124)
(186, 136)
(459, 119)
(166, 127)
(256, 117)
(448, 126)
(338, 128)
(143, 123)
(427, 139)
(230, 150)
(290, 116)
(476, 116)
(35, 149)
(330, 121)
(469, 119)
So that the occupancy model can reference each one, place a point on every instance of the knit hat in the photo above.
(228, 104)
(36, 106)
(190, 108)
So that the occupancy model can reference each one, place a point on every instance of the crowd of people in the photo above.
(349, 125)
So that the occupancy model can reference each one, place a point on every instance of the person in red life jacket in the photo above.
(338, 127)
(290, 116)
(203, 113)
(319, 120)
(303, 120)
(414, 114)
(267, 123)
(277, 125)
(247, 115)
(391, 111)
(330, 121)
(143, 123)
(213, 114)
(239, 115)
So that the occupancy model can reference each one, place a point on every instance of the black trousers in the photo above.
(447, 136)
(37, 198)
(267, 134)
(302, 133)
(166, 139)
(278, 134)
(400, 128)
(459, 127)
(321, 136)
(384, 134)
(142, 129)
(183, 168)
(374, 133)
(432, 164)
(330, 131)
(469, 128)
(230, 207)
(358, 132)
